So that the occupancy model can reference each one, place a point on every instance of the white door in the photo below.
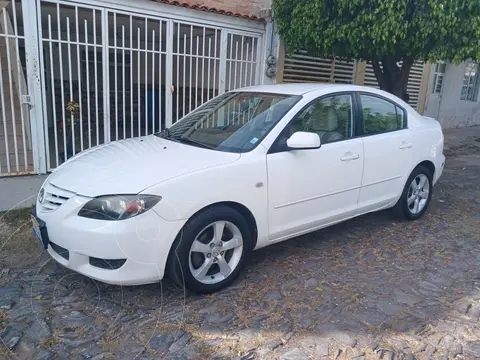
(309, 189)
(388, 152)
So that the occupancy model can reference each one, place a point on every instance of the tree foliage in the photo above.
(383, 32)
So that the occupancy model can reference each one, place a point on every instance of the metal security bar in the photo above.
(74, 113)
(137, 65)
(16, 155)
(196, 65)
(242, 61)
(415, 82)
(112, 74)
(300, 67)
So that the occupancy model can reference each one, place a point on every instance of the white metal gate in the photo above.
(18, 84)
(111, 74)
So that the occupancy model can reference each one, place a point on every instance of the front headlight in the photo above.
(118, 207)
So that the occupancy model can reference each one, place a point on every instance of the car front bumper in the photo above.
(126, 252)
(439, 167)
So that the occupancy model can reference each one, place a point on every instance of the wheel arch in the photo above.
(242, 209)
(399, 206)
(429, 165)
(246, 213)
(426, 163)
(173, 265)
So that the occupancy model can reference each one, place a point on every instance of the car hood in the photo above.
(132, 165)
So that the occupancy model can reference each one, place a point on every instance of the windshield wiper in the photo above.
(187, 140)
(166, 135)
(164, 132)
(183, 139)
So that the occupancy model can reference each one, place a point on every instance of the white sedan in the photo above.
(250, 168)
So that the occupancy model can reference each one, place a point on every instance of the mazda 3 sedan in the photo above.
(250, 168)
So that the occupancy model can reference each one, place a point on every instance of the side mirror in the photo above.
(303, 140)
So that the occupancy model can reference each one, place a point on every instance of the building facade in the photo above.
(76, 74)
(453, 94)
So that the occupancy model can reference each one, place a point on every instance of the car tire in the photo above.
(187, 261)
(414, 202)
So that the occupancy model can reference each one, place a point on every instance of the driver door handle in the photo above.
(350, 156)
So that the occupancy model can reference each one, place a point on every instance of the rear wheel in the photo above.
(416, 195)
(210, 251)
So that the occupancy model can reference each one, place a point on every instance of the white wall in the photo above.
(447, 106)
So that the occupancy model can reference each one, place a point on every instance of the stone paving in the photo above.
(370, 288)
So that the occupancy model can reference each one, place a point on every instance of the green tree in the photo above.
(390, 34)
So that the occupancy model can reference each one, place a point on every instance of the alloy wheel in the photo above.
(216, 252)
(418, 193)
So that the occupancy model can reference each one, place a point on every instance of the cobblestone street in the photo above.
(370, 288)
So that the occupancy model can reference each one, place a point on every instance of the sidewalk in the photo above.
(19, 191)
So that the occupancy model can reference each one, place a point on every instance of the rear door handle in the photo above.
(405, 145)
(349, 156)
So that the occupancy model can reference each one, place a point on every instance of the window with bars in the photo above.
(439, 73)
(470, 83)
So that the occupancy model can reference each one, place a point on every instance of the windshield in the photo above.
(232, 122)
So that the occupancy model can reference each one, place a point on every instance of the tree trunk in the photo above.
(391, 77)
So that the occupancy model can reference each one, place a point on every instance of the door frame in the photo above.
(36, 94)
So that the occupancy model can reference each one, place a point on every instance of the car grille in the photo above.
(54, 197)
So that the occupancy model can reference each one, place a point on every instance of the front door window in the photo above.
(331, 118)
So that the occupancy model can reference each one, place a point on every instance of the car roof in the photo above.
(303, 88)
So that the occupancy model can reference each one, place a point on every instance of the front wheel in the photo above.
(416, 195)
(210, 251)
